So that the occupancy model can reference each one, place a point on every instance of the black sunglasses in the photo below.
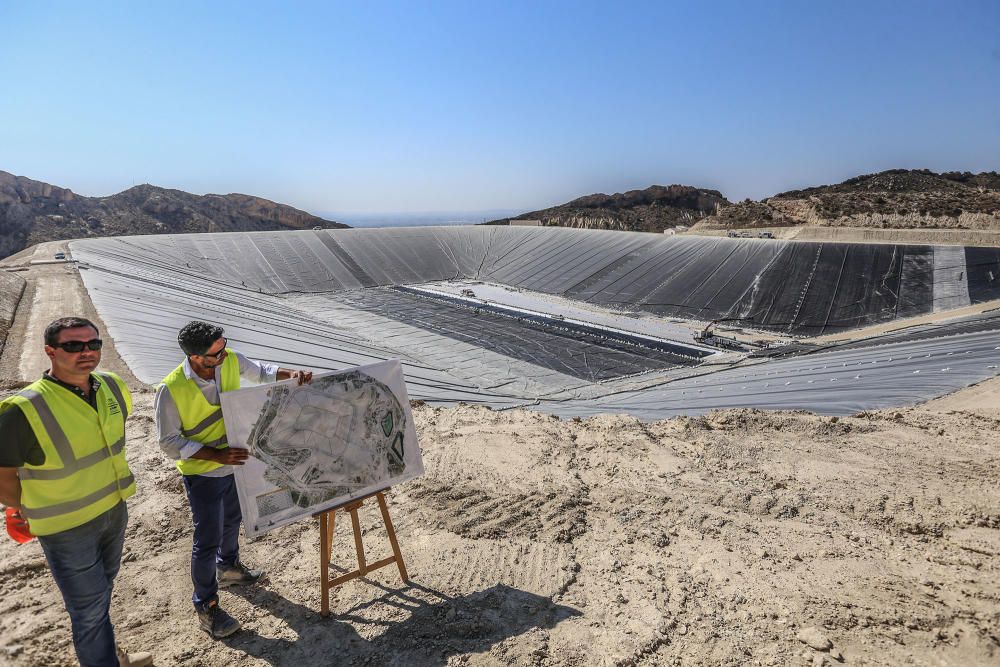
(215, 355)
(78, 345)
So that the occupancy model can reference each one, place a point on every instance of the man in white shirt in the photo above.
(192, 433)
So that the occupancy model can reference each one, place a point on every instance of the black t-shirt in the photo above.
(18, 444)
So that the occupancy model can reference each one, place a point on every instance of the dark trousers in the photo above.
(216, 511)
(84, 561)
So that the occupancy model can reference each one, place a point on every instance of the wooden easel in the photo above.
(326, 543)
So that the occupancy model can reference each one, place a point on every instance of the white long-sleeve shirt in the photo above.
(168, 419)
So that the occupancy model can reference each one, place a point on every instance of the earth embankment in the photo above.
(11, 289)
(867, 235)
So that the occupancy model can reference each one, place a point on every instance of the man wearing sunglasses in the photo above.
(62, 466)
(193, 434)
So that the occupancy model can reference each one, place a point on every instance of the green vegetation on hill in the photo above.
(651, 210)
(897, 198)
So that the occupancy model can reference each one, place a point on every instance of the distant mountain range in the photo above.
(897, 198)
(32, 212)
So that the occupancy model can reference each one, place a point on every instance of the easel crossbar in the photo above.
(326, 526)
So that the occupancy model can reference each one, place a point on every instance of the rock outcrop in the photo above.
(893, 199)
(651, 210)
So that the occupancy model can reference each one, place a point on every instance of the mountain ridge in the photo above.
(650, 210)
(34, 211)
(895, 198)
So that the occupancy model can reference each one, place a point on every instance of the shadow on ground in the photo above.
(425, 628)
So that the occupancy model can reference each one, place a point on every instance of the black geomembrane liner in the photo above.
(280, 296)
(799, 288)
(555, 346)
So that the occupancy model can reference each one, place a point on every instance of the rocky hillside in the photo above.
(893, 199)
(32, 212)
(898, 199)
(651, 210)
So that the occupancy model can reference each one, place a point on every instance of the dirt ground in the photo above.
(738, 538)
(965, 237)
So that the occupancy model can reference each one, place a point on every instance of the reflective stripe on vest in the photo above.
(201, 421)
(55, 433)
(77, 483)
(80, 503)
(71, 464)
(202, 425)
(76, 465)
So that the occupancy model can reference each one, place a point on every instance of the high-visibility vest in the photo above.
(84, 474)
(200, 420)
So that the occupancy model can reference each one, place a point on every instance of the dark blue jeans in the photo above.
(84, 561)
(216, 511)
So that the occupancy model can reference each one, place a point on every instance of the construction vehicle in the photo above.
(707, 336)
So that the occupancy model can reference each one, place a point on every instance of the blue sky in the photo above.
(468, 106)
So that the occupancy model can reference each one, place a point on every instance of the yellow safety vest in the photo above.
(200, 420)
(84, 474)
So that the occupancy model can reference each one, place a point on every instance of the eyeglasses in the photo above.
(75, 346)
(215, 355)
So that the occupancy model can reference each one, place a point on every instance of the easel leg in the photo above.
(391, 532)
(358, 544)
(325, 544)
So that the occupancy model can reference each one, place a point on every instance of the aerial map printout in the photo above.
(346, 434)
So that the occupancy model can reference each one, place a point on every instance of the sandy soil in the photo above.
(982, 398)
(608, 541)
(738, 538)
(904, 323)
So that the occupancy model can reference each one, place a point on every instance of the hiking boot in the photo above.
(126, 659)
(217, 623)
(236, 574)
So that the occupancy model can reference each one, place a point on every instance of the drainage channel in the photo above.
(570, 326)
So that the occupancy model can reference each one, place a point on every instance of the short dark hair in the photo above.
(52, 331)
(196, 337)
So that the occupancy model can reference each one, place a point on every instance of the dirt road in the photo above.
(50, 300)
(53, 290)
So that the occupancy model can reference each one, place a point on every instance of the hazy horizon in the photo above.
(417, 218)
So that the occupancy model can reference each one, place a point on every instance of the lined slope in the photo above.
(799, 288)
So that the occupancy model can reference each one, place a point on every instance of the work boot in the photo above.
(126, 659)
(217, 623)
(236, 574)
